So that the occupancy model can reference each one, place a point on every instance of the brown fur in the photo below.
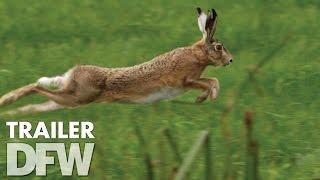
(178, 69)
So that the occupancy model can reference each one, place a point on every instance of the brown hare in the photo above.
(166, 76)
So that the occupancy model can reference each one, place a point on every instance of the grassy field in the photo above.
(46, 38)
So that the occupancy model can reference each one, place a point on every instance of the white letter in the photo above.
(42, 159)
(53, 129)
(86, 128)
(73, 130)
(12, 158)
(41, 131)
(83, 165)
(11, 128)
(60, 131)
(24, 128)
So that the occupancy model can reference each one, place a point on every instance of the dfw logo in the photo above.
(37, 158)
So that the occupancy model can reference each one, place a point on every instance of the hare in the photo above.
(166, 76)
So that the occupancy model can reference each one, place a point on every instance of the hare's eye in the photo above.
(218, 47)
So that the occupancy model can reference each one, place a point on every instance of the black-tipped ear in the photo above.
(211, 20)
(211, 24)
(213, 14)
(202, 18)
(199, 11)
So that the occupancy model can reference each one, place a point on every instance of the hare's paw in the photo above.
(214, 94)
(202, 97)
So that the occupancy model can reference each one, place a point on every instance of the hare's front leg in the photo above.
(210, 87)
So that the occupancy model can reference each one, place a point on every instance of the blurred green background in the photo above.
(46, 38)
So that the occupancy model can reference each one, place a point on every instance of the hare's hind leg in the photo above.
(62, 97)
(64, 87)
(33, 108)
(15, 95)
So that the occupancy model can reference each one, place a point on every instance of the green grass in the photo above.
(46, 38)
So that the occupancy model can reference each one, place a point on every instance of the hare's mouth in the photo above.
(228, 63)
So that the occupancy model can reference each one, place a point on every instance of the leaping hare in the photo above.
(166, 76)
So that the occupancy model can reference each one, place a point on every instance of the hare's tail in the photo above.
(17, 94)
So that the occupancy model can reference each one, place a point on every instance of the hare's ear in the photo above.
(202, 18)
(211, 24)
